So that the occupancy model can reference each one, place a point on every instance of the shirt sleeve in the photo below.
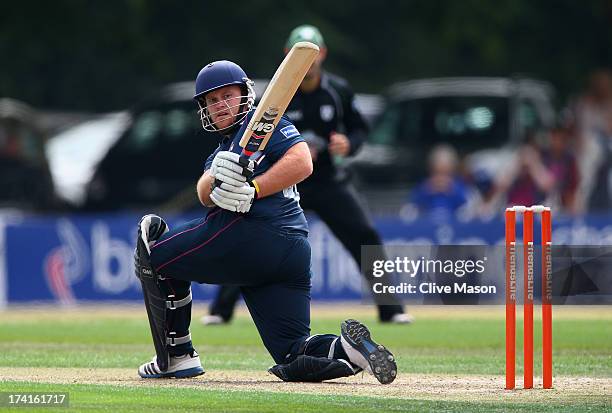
(284, 137)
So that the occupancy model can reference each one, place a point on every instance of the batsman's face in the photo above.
(223, 105)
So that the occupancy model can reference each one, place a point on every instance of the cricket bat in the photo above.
(277, 96)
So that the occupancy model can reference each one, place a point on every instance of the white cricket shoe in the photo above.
(187, 365)
(402, 318)
(212, 320)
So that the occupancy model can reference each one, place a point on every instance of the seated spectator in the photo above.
(443, 192)
(600, 199)
(562, 165)
(525, 180)
(593, 113)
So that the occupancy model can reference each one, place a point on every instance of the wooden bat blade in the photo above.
(277, 96)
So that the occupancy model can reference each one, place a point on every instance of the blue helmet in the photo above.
(216, 75)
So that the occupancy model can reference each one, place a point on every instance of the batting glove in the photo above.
(228, 167)
(234, 198)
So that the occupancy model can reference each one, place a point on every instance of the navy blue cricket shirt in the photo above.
(282, 209)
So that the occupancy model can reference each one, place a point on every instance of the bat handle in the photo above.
(245, 161)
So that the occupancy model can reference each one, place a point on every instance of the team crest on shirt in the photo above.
(327, 112)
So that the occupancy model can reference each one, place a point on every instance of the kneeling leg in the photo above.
(167, 301)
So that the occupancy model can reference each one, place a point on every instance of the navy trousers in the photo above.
(271, 267)
(339, 206)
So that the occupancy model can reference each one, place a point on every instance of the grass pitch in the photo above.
(450, 359)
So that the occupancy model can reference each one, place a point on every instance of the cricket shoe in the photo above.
(213, 320)
(150, 228)
(402, 318)
(365, 353)
(187, 365)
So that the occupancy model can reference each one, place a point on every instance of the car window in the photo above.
(160, 126)
(528, 115)
(178, 123)
(146, 129)
(468, 122)
(386, 129)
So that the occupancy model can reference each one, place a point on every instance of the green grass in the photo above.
(440, 346)
(92, 398)
(438, 343)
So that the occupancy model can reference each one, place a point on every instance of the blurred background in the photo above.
(472, 106)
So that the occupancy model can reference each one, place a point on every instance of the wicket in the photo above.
(528, 282)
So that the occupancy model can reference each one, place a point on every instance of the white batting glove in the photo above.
(233, 198)
(226, 167)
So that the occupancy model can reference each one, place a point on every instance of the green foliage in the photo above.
(105, 55)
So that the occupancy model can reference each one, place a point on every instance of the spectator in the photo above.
(562, 165)
(524, 181)
(600, 199)
(593, 113)
(443, 192)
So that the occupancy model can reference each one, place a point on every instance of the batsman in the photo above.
(254, 236)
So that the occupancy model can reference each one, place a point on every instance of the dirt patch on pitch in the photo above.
(135, 311)
(422, 387)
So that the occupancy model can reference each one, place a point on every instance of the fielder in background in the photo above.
(324, 112)
(255, 237)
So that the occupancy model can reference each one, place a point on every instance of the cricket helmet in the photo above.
(216, 75)
(305, 33)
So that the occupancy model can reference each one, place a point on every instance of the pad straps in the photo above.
(172, 304)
